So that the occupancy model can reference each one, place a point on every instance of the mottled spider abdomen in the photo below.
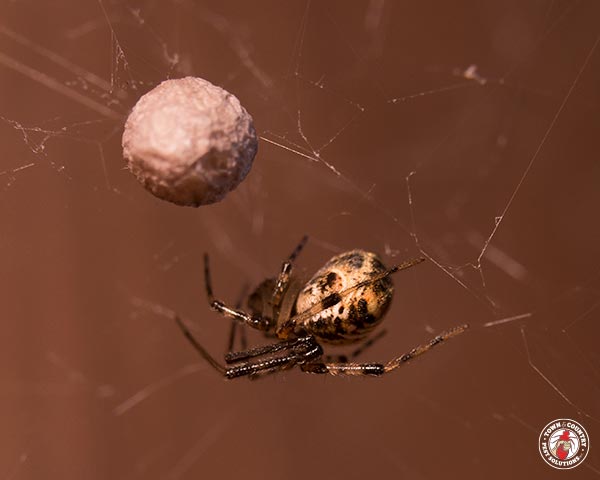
(355, 314)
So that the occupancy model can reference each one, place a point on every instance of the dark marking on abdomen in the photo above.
(330, 300)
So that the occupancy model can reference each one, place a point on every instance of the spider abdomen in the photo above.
(345, 316)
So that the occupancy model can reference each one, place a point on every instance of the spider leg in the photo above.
(254, 321)
(304, 350)
(377, 369)
(199, 348)
(235, 325)
(301, 350)
(233, 357)
(421, 349)
(207, 280)
(286, 271)
(367, 344)
(358, 351)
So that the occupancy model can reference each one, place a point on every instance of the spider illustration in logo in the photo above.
(563, 446)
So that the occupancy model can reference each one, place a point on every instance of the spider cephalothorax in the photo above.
(341, 304)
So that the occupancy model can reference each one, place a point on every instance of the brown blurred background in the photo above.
(464, 131)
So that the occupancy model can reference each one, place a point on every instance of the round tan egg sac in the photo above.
(189, 142)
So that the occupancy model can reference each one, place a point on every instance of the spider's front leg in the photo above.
(199, 348)
(237, 326)
(284, 277)
(255, 321)
(297, 351)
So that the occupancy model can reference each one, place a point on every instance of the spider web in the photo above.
(463, 133)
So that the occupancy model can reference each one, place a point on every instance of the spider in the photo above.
(341, 304)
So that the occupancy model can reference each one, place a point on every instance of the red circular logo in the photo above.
(564, 443)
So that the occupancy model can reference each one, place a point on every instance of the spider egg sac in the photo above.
(189, 142)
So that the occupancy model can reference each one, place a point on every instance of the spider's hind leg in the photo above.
(376, 369)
